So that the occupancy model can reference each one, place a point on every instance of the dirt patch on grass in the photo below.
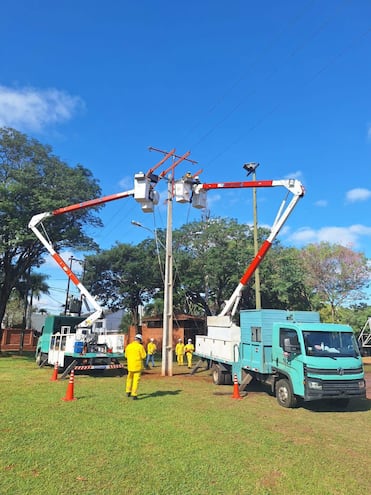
(368, 385)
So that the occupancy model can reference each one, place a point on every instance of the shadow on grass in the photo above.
(158, 393)
(355, 405)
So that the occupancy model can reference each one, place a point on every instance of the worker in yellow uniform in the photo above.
(134, 353)
(151, 351)
(179, 352)
(189, 349)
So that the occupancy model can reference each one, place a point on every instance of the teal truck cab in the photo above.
(291, 351)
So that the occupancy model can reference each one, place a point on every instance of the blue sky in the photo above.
(286, 84)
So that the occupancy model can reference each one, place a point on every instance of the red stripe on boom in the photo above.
(92, 202)
(66, 269)
(256, 262)
(233, 185)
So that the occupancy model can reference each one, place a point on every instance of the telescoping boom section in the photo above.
(297, 190)
(190, 189)
(143, 192)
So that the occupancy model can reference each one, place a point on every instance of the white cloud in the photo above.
(66, 256)
(34, 109)
(346, 236)
(213, 199)
(358, 194)
(294, 175)
(321, 203)
(127, 183)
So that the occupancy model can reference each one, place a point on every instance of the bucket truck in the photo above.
(290, 351)
(77, 342)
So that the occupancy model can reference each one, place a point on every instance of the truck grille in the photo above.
(341, 386)
(333, 371)
(336, 389)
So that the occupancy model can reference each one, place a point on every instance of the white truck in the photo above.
(73, 341)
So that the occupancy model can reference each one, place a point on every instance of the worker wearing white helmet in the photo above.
(179, 352)
(151, 351)
(189, 349)
(134, 353)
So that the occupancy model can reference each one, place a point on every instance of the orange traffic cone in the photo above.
(70, 387)
(54, 377)
(236, 390)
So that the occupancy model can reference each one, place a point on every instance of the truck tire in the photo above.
(217, 375)
(228, 380)
(284, 394)
(40, 358)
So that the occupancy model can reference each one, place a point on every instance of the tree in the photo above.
(282, 283)
(335, 274)
(125, 276)
(31, 285)
(33, 180)
(210, 259)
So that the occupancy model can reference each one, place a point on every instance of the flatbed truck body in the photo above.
(291, 351)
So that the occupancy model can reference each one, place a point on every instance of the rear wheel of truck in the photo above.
(284, 394)
(40, 358)
(217, 375)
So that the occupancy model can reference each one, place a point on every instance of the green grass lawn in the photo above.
(183, 436)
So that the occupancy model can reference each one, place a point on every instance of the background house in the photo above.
(184, 327)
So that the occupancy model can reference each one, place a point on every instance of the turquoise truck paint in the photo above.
(292, 351)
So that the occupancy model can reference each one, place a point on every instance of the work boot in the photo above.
(128, 394)
(135, 397)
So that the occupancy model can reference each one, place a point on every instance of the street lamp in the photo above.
(154, 232)
(251, 169)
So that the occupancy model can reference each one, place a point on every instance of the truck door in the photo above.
(288, 358)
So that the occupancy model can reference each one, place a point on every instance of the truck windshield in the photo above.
(334, 344)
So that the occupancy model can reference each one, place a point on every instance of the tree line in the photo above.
(209, 256)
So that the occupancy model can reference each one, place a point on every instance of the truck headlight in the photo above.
(314, 385)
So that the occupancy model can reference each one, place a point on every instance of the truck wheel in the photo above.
(284, 394)
(40, 358)
(217, 374)
(228, 380)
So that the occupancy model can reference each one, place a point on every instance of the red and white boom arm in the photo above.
(143, 193)
(37, 219)
(293, 186)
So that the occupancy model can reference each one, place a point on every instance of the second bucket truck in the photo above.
(292, 352)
